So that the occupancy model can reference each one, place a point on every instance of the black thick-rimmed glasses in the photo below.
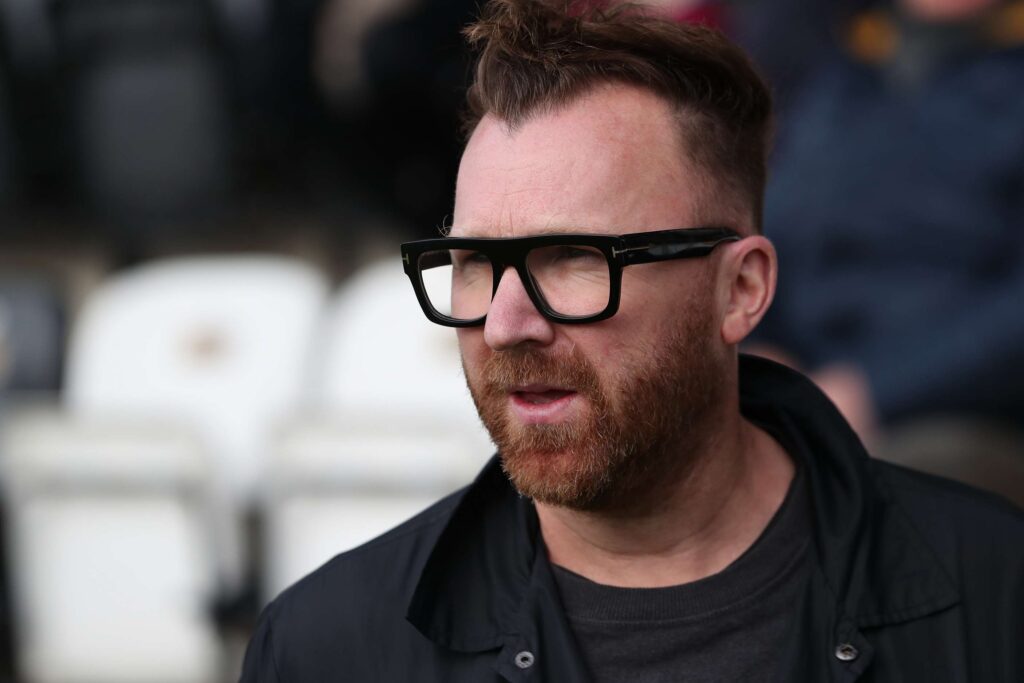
(570, 278)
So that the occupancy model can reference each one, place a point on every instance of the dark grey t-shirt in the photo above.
(732, 626)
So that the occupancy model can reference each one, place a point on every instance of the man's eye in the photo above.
(570, 253)
(470, 259)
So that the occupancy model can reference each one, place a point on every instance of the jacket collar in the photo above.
(873, 565)
(877, 566)
(480, 568)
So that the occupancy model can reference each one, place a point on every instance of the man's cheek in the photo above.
(473, 352)
(470, 341)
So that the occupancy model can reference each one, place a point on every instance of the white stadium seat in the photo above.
(221, 343)
(218, 344)
(338, 484)
(112, 560)
(394, 428)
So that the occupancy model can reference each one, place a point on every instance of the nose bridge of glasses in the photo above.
(526, 292)
(501, 269)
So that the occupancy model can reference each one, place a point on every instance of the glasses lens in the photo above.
(573, 279)
(458, 282)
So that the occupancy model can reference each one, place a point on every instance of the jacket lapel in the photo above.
(541, 628)
(487, 586)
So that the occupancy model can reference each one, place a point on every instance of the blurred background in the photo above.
(214, 375)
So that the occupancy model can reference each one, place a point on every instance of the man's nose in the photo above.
(513, 319)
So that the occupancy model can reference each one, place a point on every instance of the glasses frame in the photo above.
(619, 250)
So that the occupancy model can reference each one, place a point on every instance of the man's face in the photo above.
(585, 416)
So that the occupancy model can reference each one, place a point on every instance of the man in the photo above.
(660, 509)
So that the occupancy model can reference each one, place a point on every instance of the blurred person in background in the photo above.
(393, 72)
(660, 507)
(897, 205)
(396, 126)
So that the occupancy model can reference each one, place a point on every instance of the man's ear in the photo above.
(746, 286)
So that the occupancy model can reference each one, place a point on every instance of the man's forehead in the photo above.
(609, 162)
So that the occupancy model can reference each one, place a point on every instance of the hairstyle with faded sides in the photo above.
(536, 56)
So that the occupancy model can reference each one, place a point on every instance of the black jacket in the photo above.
(915, 578)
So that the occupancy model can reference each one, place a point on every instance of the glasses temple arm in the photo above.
(649, 253)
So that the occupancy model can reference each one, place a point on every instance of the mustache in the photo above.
(504, 370)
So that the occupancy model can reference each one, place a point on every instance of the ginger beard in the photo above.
(636, 434)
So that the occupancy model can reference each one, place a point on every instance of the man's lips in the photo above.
(542, 403)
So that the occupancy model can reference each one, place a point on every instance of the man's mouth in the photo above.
(539, 395)
(542, 403)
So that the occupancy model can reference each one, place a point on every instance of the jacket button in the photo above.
(524, 659)
(846, 652)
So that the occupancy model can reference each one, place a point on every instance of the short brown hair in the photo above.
(535, 56)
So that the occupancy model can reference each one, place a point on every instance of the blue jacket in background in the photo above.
(898, 214)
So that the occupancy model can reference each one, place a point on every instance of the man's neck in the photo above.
(710, 516)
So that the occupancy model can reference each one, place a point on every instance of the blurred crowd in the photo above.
(163, 163)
